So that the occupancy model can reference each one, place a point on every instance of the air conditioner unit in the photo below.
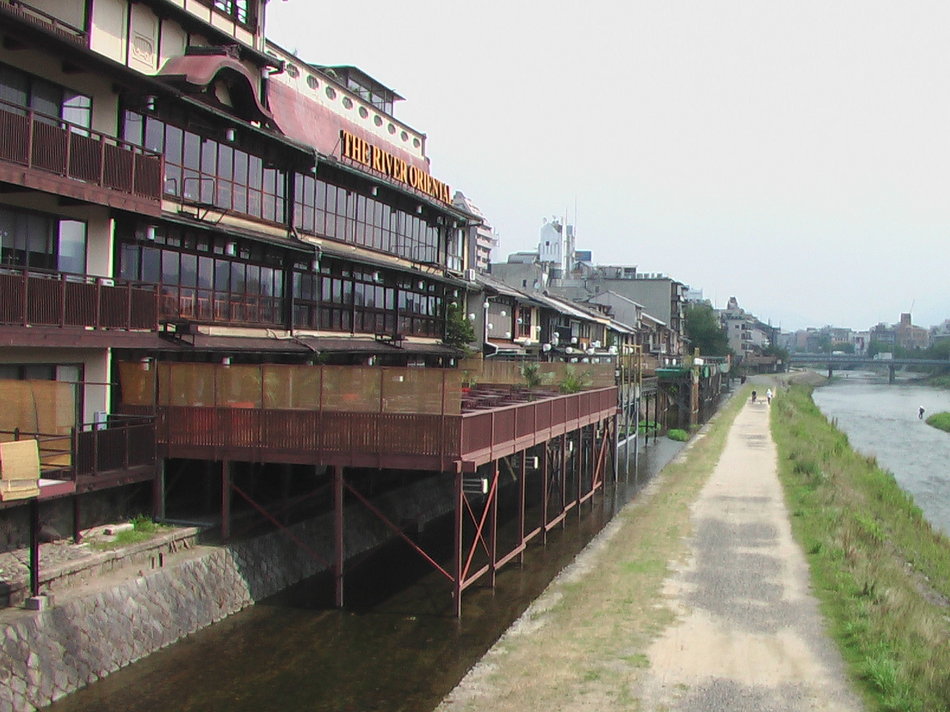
(532, 463)
(469, 275)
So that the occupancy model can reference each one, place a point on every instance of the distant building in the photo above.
(485, 238)
(910, 336)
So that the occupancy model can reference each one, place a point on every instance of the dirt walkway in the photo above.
(744, 633)
(748, 635)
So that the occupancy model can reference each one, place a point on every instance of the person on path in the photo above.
(768, 395)
(920, 413)
(753, 396)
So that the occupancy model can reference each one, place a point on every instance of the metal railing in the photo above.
(30, 297)
(91, 449)
(48, 143)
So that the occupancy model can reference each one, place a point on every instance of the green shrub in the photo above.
(940, 420)
(677, 434)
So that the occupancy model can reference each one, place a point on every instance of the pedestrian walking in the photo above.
(753, 396)
(920, 413)
(768, 395)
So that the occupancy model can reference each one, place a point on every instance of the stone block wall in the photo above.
(90, 633)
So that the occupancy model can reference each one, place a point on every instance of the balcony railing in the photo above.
(52, 145)
(95, 454)
(46, 20)
(397, 440)
(36, 298)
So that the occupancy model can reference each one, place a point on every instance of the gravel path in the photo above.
(748, 635)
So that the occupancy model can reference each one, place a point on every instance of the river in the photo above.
(397, 647)
(881, 420)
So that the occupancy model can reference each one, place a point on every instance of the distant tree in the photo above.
(778, 351)
(824, 344)
(845, 346)
(705, 331)
(875, 347)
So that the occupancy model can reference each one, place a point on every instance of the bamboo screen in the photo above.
(289, 387)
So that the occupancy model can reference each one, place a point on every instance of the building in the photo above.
(210, 250)
(485, 237)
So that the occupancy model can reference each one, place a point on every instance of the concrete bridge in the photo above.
(847, 361)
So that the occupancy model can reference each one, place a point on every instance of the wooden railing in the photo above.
(424, 441)
(50, 144)
(44, 19)
(37, 298)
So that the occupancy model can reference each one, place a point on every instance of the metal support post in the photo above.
(522, 497)
(158, 491)
(457, 573)
(493, 530)
(225, 500)
(545, 484)
(77, 520)
(338, 543)
(34, 547)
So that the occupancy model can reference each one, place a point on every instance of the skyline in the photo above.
(793, 155)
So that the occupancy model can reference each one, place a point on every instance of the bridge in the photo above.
(847, 361)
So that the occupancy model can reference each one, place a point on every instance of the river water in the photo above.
(397, 647)
(881, 420)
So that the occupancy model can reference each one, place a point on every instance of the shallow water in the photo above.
(397, 647)
(881, 420)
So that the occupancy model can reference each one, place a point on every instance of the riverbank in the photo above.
(881, 570)
(596, 638)
(695, 598)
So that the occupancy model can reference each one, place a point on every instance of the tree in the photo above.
(459, 331)
(705, 331)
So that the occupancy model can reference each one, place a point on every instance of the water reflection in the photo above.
(396, 647)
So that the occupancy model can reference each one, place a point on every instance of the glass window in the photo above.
(14, 86)
(129, 261)
(170, 267)
(154, 135)
(77, 109)
(45, 97)
(72, 246)
(151, 265)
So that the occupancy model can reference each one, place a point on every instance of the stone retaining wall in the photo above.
(115, 620)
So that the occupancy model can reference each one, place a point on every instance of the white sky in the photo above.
(794, 155)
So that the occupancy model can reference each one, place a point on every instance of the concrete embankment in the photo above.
(100, 623)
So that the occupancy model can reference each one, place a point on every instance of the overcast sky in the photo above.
(794, 155)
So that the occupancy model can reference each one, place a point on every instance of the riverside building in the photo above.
(227, 281)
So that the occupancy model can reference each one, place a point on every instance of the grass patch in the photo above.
(143, 529)
(940, 421)
(880, 569)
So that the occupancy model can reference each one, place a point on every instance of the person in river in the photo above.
(768, 395)
(753, 396)
(920, 413)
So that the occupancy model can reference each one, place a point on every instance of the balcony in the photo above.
(48, 154)
(349, 416)
(402, 441)
(57, 299)
(93, 456)
(64, 21)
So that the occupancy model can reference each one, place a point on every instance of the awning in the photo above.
(195, 72)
